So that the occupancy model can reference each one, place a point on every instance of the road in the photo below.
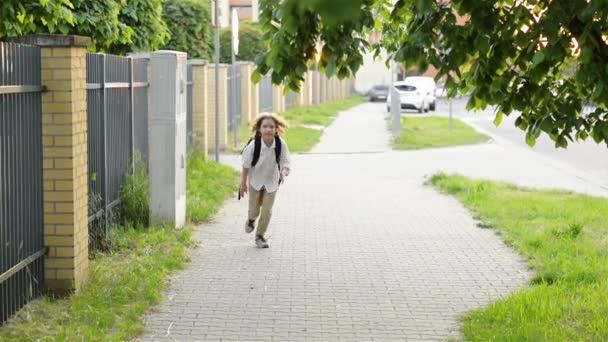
(586, 156)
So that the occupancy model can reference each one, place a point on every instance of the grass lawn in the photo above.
(126, 281)
(209, 184)
(564, 236)
(299, 137)
(427, 132)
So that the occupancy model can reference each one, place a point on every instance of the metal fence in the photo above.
(291, 99)
(234, 96)
(21, 204)
(189, 83)
(266, 94)
(117, 104)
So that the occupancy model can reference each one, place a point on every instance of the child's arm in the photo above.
(247, 159)
(285, 160)
(243, 187)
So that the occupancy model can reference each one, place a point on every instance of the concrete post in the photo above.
(167, 143)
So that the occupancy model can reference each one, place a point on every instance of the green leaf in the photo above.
(255, 76)
(561, 142)
(498, 118)
(530, 139)
(538, 58)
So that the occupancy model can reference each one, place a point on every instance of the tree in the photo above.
(538, 59)
(189, 22)
(251, 43)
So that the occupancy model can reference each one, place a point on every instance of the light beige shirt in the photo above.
(266, 173)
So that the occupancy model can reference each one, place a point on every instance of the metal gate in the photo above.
(21, 203)
(291, 100)
(234, 96)
(266, 94)
(189, 103)
(117, 107)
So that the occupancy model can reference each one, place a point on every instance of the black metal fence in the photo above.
(266, 94)
(234, 96)
(117, 104)
(189, 83)
(291, 100)
(21, 204)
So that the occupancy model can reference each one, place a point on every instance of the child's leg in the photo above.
(255, 202)
(267, 203)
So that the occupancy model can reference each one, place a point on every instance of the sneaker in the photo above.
(261, 242)
(249, 226)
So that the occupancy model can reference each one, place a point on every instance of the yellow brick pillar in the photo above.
(309, 88)
(278, 100)
(246, 93)
(65, 158)
(200, 95)
(223, 106)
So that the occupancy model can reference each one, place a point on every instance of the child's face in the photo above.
(268, 128)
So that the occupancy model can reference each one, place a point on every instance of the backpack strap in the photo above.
(257, 147)
(277, 151)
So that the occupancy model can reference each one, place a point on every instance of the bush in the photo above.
(21, 17)
(135, 196)
(189, 22)
(251, 44)
(115, 26)
(100, 21)
(149, 30)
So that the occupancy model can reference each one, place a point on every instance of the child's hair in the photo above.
(279, 122)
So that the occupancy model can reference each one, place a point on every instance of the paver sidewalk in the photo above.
(360, 250)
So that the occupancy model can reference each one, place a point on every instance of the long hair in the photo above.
(279, 122)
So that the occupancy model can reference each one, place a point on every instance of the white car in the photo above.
(416, 93)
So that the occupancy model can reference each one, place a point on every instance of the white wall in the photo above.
(372, 72)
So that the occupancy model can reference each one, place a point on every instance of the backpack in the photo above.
(257, 147)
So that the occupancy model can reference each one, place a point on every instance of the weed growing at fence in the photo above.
(135, 196)
(208, 185)
(101, 223)
(564, 236)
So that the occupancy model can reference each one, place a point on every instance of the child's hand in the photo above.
(243, 189)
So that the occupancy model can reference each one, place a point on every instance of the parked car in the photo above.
(378, 92)
(415, 93)
(425, 84)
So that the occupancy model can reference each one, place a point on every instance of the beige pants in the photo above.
(261, 201)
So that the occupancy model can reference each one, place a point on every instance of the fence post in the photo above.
(223, 105)
(168, 131)
(200, 96)
(65, 154)
(278, 100)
